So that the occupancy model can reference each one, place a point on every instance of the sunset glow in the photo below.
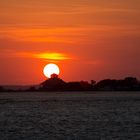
(52, 56)
(87, 39)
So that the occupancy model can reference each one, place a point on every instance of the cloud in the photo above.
(41, 34)
(52, 56)
(49, 56)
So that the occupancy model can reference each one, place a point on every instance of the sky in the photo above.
(87, 39)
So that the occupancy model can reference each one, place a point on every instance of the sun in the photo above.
(50, 69)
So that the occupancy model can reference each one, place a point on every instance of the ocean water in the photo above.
(70, 116)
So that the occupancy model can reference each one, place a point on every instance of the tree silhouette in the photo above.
(1, 89)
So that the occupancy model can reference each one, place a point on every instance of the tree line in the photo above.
(57, 84)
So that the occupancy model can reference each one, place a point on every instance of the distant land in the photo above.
(56, 84)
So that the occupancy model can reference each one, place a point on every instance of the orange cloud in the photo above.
(45, 56)
(41, 34)
(38, 55)
(52, 56)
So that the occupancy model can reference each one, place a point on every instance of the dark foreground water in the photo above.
(70, 116)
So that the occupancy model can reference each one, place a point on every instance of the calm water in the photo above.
(70, 116)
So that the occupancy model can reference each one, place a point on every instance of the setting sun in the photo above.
(50, 69)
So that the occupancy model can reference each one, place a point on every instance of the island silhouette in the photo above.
(54, 83)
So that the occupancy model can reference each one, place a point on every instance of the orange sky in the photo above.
(88, 39)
